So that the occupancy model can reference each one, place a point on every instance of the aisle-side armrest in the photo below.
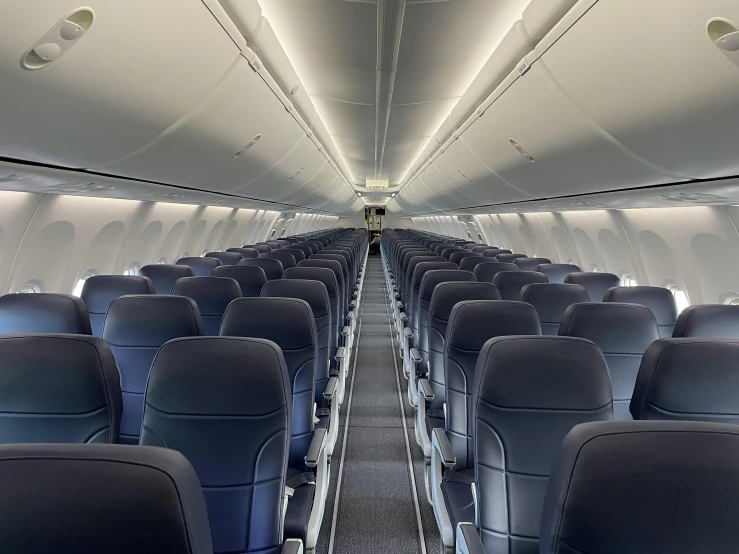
(292, 546)
(407, 331)
(331, 386)
(468, 539)
(416, 356)
(317, 445)
(339, 354)
(440, 442)
(425, 390)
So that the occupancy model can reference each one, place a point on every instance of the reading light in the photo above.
(359, 194)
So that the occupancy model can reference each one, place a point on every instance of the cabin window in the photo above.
(31, 286)
(480, 238)
(469, 235)
(162, 260)
(733, 301)
(77, 291)
(273, 233)
(680, 296)
(132, 269)
(627, 280)
(597, 269)
(204, 253)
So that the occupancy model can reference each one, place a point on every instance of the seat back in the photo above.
(226, 258)
(457, 257)
(251, 279)
(419, 271)
(471, 324)
(212, 295)
(510, 283)
(551, 300)
(507, 258)
(557, 273)
(136, 327)
(657, 486)
(224, 402)
(719, 321)
(688, 379)
(623, 332)
(487, 270)
(163, 276)
(201, 267)
(272, 268)
(530, 264)
(58, 388)
(406, 286)
(528, 393)
(245, 252)
(307, 250)
(261, 248)
(96, 498)
(286, 259)
(471, 262)
(657, 299)
(494, 252)
(100, 290)
(335, 268)
(43, 313)
(297, 253)
(596, 283)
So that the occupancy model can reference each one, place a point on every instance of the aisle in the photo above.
(377, 510)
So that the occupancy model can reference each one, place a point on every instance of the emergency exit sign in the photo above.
(377, 184)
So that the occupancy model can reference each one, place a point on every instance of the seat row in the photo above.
(495, 398)
(255, 410)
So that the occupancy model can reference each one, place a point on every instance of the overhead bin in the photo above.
(131, 76)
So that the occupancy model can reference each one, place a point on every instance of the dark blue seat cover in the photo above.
(272, 268)
(551, 300)
(495, 252)
(261, 248)
(285, 258)
(718, 321)
(245, 252)
(226, 258)
(457, 257)
(596, 283)
(43, 313)
(164, 275)
(644, 487)
(530, 264)
(508, 258)
(411, 307)
(307, 250)
(487, 270)
(58, 388)
(201, 267)
(212, 295)
(224, 402)
(100, 290)
(557, 273)
(623, 332)
(657, 299)
(297, 253)
(527, 394)
(471, 262)
(135, 328)
(250, 279)
(100, 498)
(510, 283)
(688, 379)
(335, 268)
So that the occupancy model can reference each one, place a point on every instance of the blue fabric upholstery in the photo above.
(251, 279)
(201, 267)
(657, 299)
(100, 290)
(212, 295)
(272, 268)
(551, 300)
(510, 283)
(717, 321)
(557, 273)
(43, 313)
(530, 264)
(164, 275)
(285, 258)
(245, 252)
(596, 283)
(226, 258)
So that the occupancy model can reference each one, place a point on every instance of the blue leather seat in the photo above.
(212, 295)
(471, 262)
(688, 379)
(596, 283)
(100, 498)
(135, 327)
(100, 290)
(58, 388)
(335, 268)
(510, 283)
(527, 394)
(201, 267)
(551, 300)
(347, 278)
(495, 252)
(297, 253)
(509, 258)
(261, 248)
(657, 299)
(718, 321)
(226, 258)
(457, 257)
(405, 286)
(471, 324)
(486, 271)
(530, 264)
(272, 268)
(273, 244)
(164, 275)
(250, 279)
(224, 402)
(307, 250)
(245, 252)
(644, 487)
(447, 252)
(623, 332)
(557, 273)
(285, 258)
(479, 248)
(43, 313)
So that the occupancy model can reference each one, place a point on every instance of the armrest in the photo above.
(399, 305)
(350, 314)
(317, 445)
(346, 331)
(339, 354)
(407, 331)
(331, 385)
(425, 390)
(468, 540)
(353, 303)
(396, 294)
(403, 317)
(416, 356)
(292, 546)
(441, 443)
(355, 294)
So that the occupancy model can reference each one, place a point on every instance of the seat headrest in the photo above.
(446, 294)
(250, 279)
(201, 267)
(242, 320)
(644, 486)
(486, 271)
(530, 264)
(556, 273)
(341, 260)
(245, 252)
(473, 322)
(436, 276)
(163, 276)
(297, 253)
(333, 265)
(58, 388)
(657, 299)
(226, 258)
(507, 258)
(597, 284)
(552, 299)
(616, 328)
(510, 283)
(471, 262)
(457, 257)
(423, 268)
(709, 320)
(43, 313)
(313, 292)
(211, 294)
(543, 373)
(261, 248)
(95, 498)
(151, 320)
(688, 379)
(100, 290)
(322, 274)
(272, 268)
(493, 252)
